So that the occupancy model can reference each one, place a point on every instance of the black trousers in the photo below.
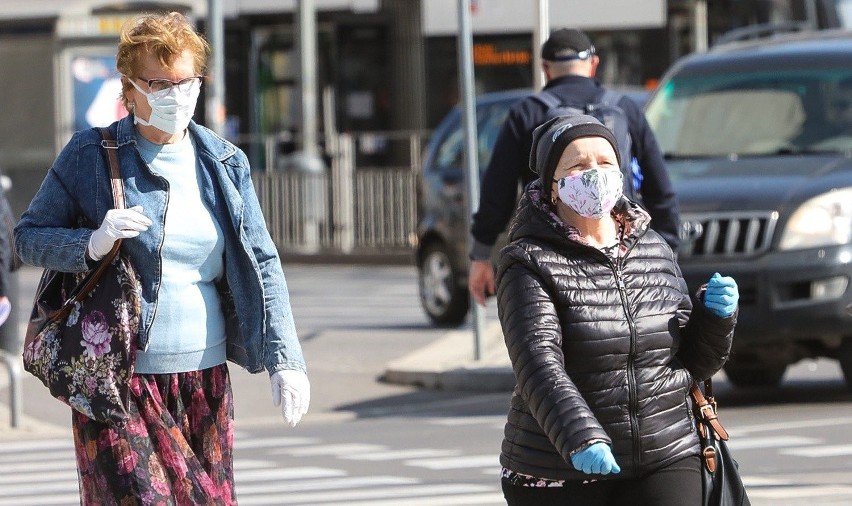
(678, 484)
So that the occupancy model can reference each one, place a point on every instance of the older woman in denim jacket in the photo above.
(212, 284)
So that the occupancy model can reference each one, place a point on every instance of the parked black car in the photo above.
(442, 249)
(758, 141)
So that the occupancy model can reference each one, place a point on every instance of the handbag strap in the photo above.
(706, 407)
(110, 147)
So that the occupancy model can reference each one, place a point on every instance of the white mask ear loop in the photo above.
(136, 118)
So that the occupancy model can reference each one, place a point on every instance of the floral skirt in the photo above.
(176, 448)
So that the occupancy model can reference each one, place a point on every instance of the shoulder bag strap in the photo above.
(110, 147)
(707, 408)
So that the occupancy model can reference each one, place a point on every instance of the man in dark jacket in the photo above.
(570, 64)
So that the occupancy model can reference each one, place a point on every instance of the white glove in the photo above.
(117, 224)
(294, 388)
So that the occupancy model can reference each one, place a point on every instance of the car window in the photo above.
(490, 121)
(450, 152)
(754, 113)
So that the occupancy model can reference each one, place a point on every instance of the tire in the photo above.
(444, 301)
(844, 356)
(754, 374)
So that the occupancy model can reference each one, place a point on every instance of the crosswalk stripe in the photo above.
(29, 446)
(43, 466)
(786, 493)
(27, 488)
(486, 498)
(269, 442)
(819, 451)
(43, 500)
(321, 484)
(293, 473)
(38, 477)
(464, 462)
(396, 493)
(761, 481)
(415, 453)
(770, 442)
(790, 425)
(37, 456)
(335, 449)
(244, 464)
(453, 421)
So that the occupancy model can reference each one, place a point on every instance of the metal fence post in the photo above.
(343, 175)
(15, 394)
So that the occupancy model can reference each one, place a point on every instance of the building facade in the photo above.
(386, 70)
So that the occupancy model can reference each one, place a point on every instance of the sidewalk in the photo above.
(448, 364)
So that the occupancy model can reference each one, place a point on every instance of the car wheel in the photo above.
(754, 374)
(844, 356)
(445, 302)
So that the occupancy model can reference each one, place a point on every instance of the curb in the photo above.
(448, 364)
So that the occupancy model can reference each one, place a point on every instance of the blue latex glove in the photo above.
(721, 295)
(596, 459)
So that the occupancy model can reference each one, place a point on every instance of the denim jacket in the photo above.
(76, 194)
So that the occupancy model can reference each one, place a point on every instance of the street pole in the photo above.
(700, 26)
(308, 81)
(468, 102)
(215, 86)
(541, 31)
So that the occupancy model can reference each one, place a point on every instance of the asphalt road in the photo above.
(367, 442)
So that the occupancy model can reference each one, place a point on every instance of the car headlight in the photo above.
(825, 220)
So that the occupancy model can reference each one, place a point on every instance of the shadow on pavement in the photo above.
(799, 391)
(432, 403)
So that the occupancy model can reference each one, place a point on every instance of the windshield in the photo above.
(754, 113)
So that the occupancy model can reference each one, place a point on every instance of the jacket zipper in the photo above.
(159, 259)
(631, 375)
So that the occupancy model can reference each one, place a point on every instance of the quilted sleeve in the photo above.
(706, 338)
(533, 337)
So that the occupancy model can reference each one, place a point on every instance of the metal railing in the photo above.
(364, 202)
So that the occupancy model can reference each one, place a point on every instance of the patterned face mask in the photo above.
(593, 193)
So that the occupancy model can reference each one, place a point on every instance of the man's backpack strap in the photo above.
(548, 98)
(611, 98)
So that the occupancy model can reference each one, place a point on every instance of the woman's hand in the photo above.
(117, 224)
(596, 459)
(722, 295)
(293, 388)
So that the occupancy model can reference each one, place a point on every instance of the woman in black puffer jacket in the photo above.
(603, 337)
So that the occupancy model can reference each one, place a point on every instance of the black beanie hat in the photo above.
(552, 137)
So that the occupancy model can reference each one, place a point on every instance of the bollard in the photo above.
(310, 175)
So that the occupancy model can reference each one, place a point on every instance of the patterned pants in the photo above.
(176, 449)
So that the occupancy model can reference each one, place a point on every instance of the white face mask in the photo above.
(171, 109)
(593, 193)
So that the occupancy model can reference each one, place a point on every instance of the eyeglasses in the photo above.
(161, 87)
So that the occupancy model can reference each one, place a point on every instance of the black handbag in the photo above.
(82, 333)
(720, 474)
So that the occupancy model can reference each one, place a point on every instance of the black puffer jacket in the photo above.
(601, 350)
